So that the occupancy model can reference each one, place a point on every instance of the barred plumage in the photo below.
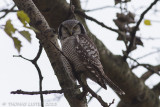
(83, 54)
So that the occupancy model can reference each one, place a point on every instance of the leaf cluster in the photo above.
(10, 30)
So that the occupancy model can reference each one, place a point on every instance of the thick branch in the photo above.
(39, 22)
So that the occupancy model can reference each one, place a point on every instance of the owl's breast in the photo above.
(69, 49)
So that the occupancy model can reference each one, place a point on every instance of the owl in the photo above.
(83, 54)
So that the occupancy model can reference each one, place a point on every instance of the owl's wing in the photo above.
(67, 68)
(89, 55)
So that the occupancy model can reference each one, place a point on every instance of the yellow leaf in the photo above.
(23, 17)
(26, 35)
(9, 28)
(147, 22)
(17, 43)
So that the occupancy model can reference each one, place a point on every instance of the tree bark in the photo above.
(137, 93)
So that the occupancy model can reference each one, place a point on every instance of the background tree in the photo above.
(118, 67)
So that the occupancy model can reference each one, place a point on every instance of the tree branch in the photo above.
(100, 8)
(79, 12)
(6, 12)
(34, 62)
(147, 66)
(46, 35)
(88, 89)
(92, 96)
(147, 74)
(37, 92)
(148, 54)
(133, 33)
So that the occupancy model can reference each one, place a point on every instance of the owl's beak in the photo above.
(70, 32)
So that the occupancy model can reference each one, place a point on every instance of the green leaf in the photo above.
(147, 22)
(17, 43)
(32, 28)
(26, 35)
(23, 17)
(9, 28)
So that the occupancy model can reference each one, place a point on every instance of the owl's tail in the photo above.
(113, 86)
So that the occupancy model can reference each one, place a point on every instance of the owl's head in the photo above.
(70, 28)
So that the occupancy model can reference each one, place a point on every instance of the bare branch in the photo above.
(37, 92)
(92, 96)
(148, 54)
(133, 33)
(150, 38)
(39, 53)
(34, 62)
(99, 23)
(147, 74)
(87, 88)
(100, 8)
(111, 102)
(6, 12)
(22, 57)
(147, 66)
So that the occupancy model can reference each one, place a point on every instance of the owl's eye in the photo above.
(76, 27)
(65, 29)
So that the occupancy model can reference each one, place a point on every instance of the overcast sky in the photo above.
(16, 73)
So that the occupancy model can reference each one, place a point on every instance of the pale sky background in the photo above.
(16, 73)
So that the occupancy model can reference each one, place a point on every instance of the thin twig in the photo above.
(98, 22)
(147, 66)
(7, 12)
(147, 74)
(150, 38)
(133, 33)
(34, 62)
(37, 92)
(22, 57)
(100, 8)
(111, 102)
(92, 96)
(123, 35)
(148, 54)
(87, 88)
